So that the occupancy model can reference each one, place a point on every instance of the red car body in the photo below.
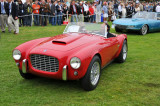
(65, 46)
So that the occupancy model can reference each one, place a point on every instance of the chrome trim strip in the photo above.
(24, 66)
(64, 73)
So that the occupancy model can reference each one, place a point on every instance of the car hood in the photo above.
(65, 42)
(129, 21)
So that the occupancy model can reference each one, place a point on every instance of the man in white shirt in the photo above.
(3, 16)
(158, 8)
(86, 12)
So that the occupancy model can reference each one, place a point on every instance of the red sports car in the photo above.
(78, 54)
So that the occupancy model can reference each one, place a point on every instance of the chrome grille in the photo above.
(44, 63)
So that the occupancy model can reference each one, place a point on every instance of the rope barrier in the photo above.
(72, 15)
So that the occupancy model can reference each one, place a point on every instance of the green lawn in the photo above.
(135, 82)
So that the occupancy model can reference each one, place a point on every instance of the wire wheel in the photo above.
(144, 30)
(95, 73)
(124, 51)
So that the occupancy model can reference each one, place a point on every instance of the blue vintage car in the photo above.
(141, 22)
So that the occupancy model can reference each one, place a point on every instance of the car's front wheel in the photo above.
(123, 54)
(26, 75)
(90, 80)
(144, 30)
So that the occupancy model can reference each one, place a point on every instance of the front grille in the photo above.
(44, 63)
(121, 26)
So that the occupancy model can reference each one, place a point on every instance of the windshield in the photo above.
(83, 27)
(145, 15)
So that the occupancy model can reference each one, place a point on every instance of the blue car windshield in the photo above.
(145, 15)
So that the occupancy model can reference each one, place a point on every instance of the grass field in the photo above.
(133, 83)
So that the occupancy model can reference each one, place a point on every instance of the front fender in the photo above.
(85, 54)
(26, 47)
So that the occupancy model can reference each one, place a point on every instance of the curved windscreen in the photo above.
(145, 15)
(83, 27)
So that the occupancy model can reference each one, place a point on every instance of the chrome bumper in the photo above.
(64, 73)
(24, 66)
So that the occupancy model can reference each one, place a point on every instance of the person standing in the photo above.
(28, 9)
(150, 8)
(124, 12)
(45, 8)
(54, 13)
(158, 8)
(59, 13)
(98, 12)
(86, 12)
(116, 9)
(36, 8)
(12, 12)
(105, 11)
(49, 12)
(3, 16)
(65, 12)
(73, 11)
(110, 11)
(91, 11)
(137, 9)
(21, 12)
(131, 11)
(80, 12)
(120, 10)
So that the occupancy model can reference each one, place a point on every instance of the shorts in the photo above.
(105, 15)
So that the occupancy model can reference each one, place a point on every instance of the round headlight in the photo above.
(16, 54)
(75, 63)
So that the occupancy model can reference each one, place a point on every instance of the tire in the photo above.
(123, 54)
(117, 29)
(90, 80)
(26, 75)
(144, 30)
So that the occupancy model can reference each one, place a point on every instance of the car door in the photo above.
(110, 48)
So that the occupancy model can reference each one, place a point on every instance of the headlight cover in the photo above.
(75, 62)
(16, 54)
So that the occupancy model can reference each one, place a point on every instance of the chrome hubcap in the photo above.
(95, 73)
(144, 29)
(125, 51)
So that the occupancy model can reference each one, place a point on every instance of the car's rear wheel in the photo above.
(117, 29)
(144, 30)
(123, 54)
(90, 80)
(26, 75)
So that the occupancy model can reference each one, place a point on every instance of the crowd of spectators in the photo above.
(43, 12)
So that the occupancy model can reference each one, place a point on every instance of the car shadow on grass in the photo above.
(52, 84)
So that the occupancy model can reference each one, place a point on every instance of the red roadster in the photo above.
(79, 53)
